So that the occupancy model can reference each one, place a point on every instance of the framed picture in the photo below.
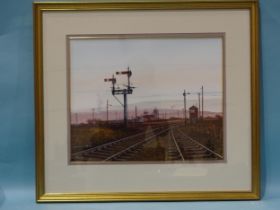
(147, 101)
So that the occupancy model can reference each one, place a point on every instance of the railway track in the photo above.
(187, 148)
(178, 147)
(120, 150)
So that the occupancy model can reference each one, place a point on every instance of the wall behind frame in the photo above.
(17, 176)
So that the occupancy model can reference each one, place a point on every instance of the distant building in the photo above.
(149, 117)
(193, 110)
(156, 113)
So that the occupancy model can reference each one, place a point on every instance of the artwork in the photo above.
(147, 100)
(159, 99)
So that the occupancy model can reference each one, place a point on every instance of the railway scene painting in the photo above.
(146, 98)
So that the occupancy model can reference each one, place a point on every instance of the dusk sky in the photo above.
(161, 70)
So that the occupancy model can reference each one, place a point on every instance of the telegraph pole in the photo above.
(107, 110)
(125, 108)
(92, 115)
(135, 111)
(202, 101)
(198, 105)
(116, 115)
(76, 118)
(185, 105)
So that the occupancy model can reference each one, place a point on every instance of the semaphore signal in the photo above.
(124, 91)
(128, 72)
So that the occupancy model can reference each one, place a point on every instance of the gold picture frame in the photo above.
(45, 193)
